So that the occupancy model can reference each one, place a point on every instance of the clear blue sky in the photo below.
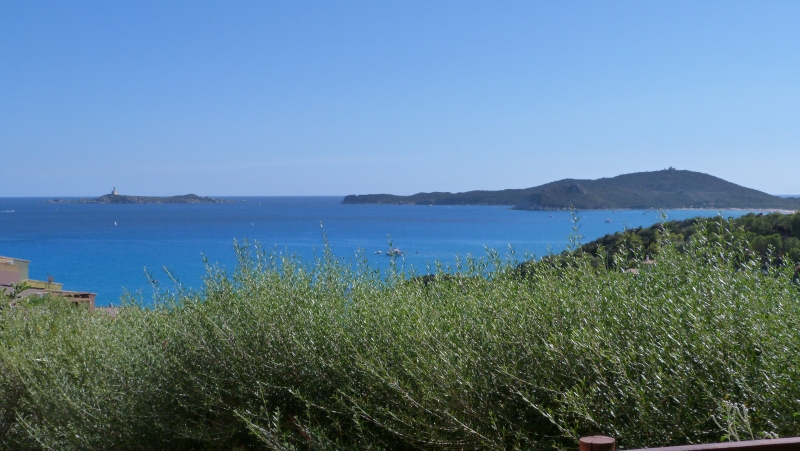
(334, 98)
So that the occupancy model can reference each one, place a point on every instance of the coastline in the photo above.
(511, 207)
(754, 210)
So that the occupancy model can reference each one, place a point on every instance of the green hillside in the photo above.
(669, 188)
(770, 236)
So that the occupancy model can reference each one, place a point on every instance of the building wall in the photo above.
(8, 277)
(13, 270)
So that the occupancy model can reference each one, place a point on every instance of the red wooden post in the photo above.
(597, 443)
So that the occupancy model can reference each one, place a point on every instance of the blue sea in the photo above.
(105, 248)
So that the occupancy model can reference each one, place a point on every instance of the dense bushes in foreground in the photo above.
(282, 356)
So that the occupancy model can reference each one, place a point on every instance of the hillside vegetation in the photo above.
(701, 347)
(772, 237)
(665, 189)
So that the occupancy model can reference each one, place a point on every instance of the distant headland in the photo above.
(115, 198)
(665, 189)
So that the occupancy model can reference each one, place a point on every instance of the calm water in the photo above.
(81, 246)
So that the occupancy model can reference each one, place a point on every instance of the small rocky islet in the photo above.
(115, 198)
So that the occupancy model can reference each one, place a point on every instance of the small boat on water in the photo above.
(608, 221)
(378, 252)
(7, 211)
(394, 252)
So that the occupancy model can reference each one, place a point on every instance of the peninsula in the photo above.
(115, 198)
(667, 189)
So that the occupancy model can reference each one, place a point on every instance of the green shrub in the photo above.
(281, 355)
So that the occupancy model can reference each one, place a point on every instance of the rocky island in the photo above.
(665, 189)
(115, 198)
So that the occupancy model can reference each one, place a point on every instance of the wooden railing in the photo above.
(602, 443)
